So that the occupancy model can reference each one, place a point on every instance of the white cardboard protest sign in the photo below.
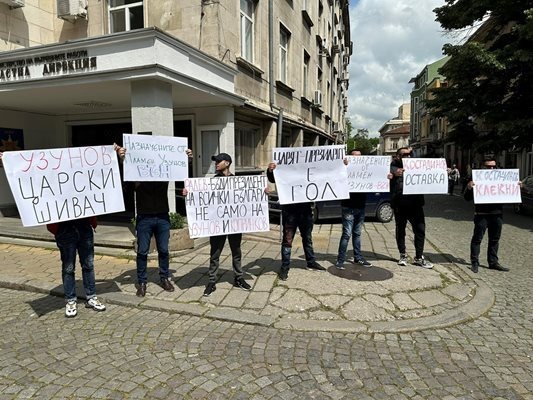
(225, 205)
(315, 173)
(368, 173)
(56, 185)
(496, 186)
(155, 158)
(425, 176)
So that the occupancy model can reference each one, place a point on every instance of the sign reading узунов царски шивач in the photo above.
(46, 66)
(56, 185)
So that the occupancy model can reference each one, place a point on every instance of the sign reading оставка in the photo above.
(56, 185)
(226, 205)
(425, 176)
(314, 173)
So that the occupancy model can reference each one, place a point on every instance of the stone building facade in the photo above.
(240, 77)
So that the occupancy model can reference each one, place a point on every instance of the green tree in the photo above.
(361, 141)
(489, 97)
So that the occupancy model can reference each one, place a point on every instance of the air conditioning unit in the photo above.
(317, 98)
(335, 48)
(346, 60)
(71, 10)
(14, 3)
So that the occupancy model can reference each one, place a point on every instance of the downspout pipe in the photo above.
(271, 54)
(272, 97)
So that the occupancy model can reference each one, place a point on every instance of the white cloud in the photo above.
(393, 41)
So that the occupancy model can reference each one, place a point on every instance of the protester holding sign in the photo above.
(486, 216)
(76, 236)
(407, 208)
(222, 165)
(295, 216)
(353, 217)
(151, 219)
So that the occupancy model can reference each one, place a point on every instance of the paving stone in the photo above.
(429, 298)
(404, 302)
(362, 310)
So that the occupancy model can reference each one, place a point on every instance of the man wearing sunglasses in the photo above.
(486, 217)
(407, 208)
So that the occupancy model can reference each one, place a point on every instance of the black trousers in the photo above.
(492, 223)
(217, 244)
(415, 216)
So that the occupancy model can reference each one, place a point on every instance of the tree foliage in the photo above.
(489, 97)
(361, 141)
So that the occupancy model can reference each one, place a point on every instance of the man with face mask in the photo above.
(407, 208)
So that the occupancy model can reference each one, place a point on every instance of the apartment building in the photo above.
(240, 77)
(426, 132)
(394, 133)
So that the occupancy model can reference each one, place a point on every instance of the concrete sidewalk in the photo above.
(384, 298)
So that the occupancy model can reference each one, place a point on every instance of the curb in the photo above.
(481, 302)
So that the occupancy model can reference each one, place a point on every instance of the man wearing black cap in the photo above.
(222, 164)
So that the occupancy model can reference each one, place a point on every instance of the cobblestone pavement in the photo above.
(133, 353)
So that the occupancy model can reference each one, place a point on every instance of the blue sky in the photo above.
(393, 41)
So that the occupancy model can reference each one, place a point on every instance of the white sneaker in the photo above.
(422, 262)
(71, 309)
(403, 260)
(95, 304)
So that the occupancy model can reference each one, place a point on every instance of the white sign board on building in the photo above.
(315, 173)
(155, 158)
(226, 205)
(496, 186)
(368, 173)
(56, 185)
(425, 176)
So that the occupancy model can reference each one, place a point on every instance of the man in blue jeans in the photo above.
(295, 216)
(71, 237)
(353, 217)
(151, 203)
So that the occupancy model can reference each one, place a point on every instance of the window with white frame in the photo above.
(125, 15)
(305, 77)
(247, 30)
(247, 138)
(284, 37)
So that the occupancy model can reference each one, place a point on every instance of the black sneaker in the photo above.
(475, 268)
(241, 283)
(210, 288)
(363, 263)
(316, 266)
(498, 267)
(283, 274)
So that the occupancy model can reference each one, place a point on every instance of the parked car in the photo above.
(377, 206)
(527, 196)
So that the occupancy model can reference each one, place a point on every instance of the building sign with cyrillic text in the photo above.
(77, 61)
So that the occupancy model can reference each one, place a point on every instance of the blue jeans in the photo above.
(300, 217)
(72, 238)
(146, 226)
(492, 222)
(352, 225)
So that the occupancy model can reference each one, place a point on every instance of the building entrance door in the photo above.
(107, 134)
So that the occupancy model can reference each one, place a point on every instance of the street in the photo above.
(127, 352)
